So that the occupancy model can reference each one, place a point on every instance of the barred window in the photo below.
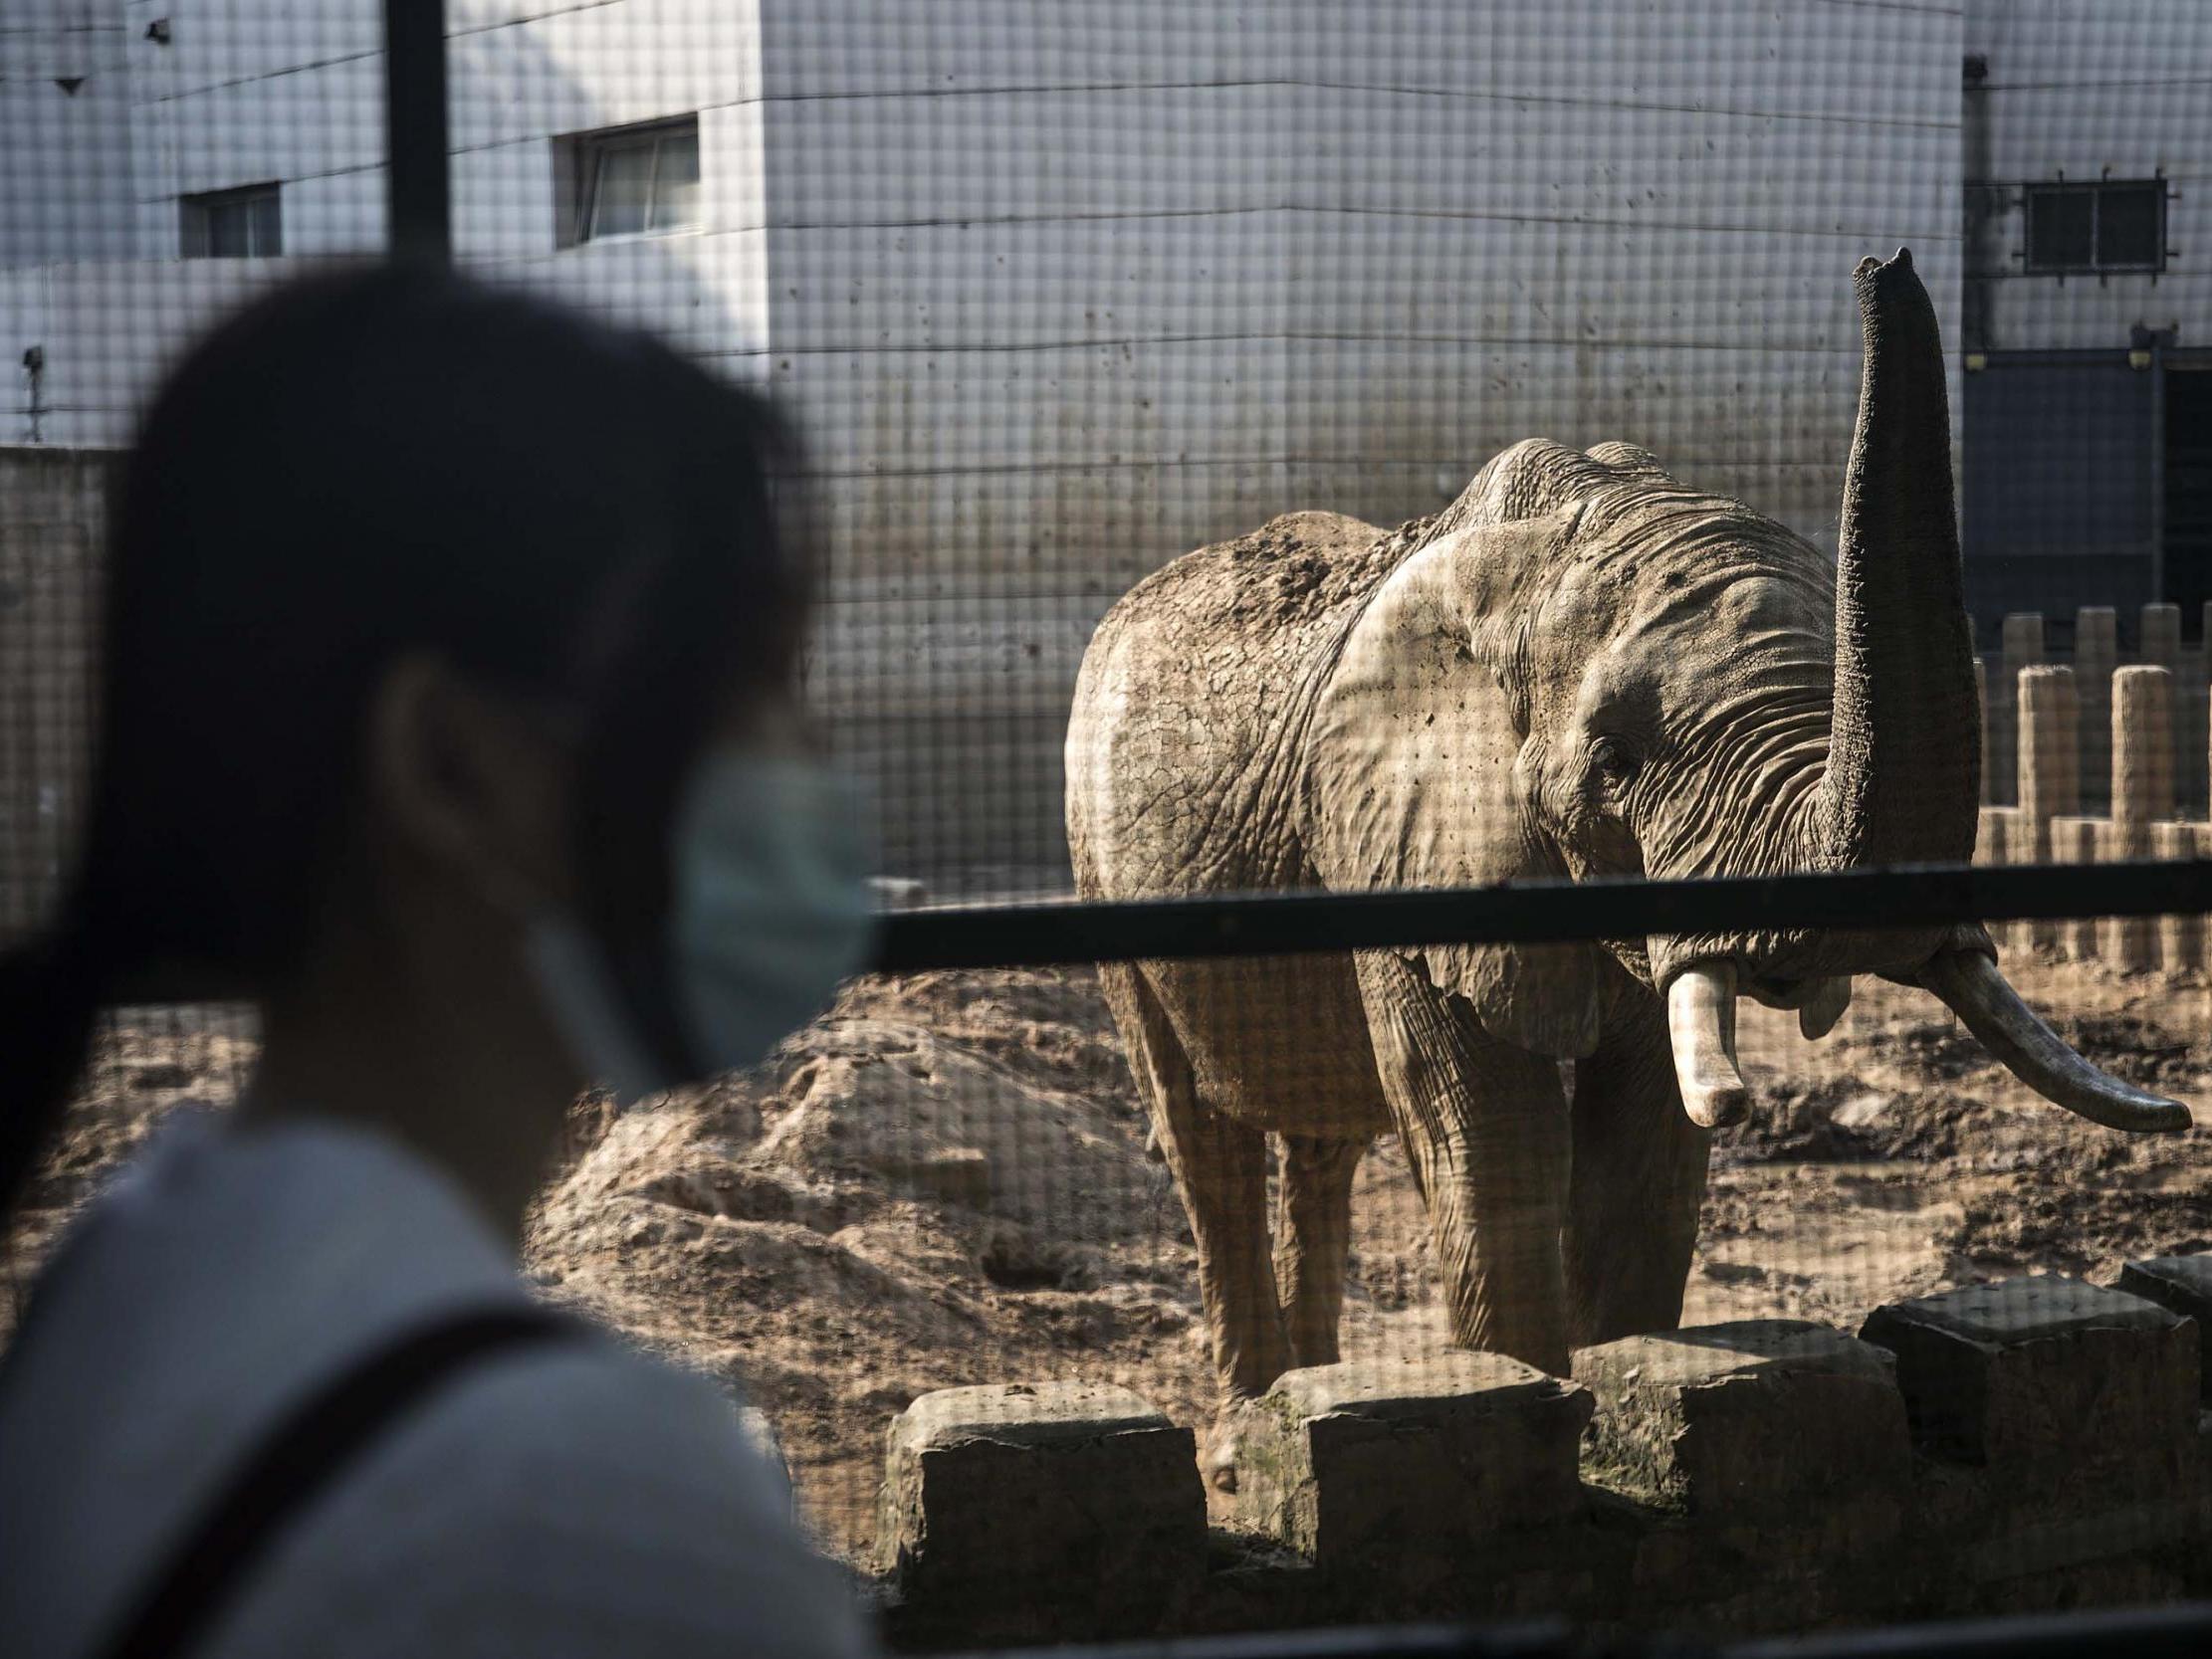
(2114, 224)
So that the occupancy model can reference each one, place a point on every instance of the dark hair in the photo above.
(384, 460)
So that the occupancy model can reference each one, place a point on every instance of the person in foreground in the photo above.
(446, 714)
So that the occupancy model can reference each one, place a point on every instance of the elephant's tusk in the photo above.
(1701, 1025)
(1970, 984)
(1818, 1015)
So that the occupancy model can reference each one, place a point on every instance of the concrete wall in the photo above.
(53, 510)
(1063, 293)
(1058, 293)
(2086, 86)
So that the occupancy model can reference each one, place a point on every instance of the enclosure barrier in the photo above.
(2034, 1444)
(1289, 923)
(2096, 761)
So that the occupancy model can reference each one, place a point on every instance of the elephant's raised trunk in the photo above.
(1904, 754)
(1901, 783)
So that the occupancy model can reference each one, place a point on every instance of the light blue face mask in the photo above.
(770, 910)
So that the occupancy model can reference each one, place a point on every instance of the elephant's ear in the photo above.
(1412, 777)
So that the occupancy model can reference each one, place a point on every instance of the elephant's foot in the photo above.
(1224, 1451)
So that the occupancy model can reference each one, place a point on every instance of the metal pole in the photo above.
(416, 131)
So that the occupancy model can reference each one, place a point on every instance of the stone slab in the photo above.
(2049, 1372)
(1070, 1493)
(1750, 1416)
(1434, 1454)
(2181, 1284)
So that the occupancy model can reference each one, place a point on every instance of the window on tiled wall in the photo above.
(233, 224)
(2112, 225)
(628, 181)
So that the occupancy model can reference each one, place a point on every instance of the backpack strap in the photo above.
(301, 1458)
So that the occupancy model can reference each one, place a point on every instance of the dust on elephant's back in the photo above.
(1186, 714)
(1179, 784)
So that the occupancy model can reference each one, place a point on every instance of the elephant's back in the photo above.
(1178, 741)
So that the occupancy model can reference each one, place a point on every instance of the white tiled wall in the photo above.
(1061, 290)
(66, 187)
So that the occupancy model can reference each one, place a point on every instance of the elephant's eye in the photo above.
(1613, 760)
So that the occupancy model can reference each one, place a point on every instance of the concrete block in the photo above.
(2044, 1375)
(1725, 1420)
(2049, 754)
(1997, 833)
(2076, 841)
(2142, 794)
(2159, 638)
(2022, 649)
(2095, 655)
(2001, 836)
(2180, 937)
(1448, 1451)
(1063, 1492)
(1981, 714)
(2181, 1284)
(2142, 749)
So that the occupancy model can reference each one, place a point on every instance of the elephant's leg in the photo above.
(1220, 1169)
(1313, 1236)
(1638, 1179)
(1485, 1128)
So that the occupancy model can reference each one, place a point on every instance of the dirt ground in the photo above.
(944, 1181)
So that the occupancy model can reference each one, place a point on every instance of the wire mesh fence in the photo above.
(1593, 1017)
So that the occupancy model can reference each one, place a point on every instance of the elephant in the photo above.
(1581, 668)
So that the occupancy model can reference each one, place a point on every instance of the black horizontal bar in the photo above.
(1534, 1639)
(2180, 1631)
(2168, 1632)
(1285, 923)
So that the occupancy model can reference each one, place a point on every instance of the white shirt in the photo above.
(561, 1498)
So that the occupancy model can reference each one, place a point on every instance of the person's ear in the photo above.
(470, 783)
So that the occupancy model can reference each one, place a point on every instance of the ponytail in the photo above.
(51, 989)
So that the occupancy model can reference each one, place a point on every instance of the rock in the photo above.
(1073, 1493)
(1748, 1417)
(2181, 1285)
(1866, 1109)
(2047, 1373)
(1353, 1462)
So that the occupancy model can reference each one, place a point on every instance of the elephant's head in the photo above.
(1591, 668)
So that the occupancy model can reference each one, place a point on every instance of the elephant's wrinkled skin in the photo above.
(1582, 667)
